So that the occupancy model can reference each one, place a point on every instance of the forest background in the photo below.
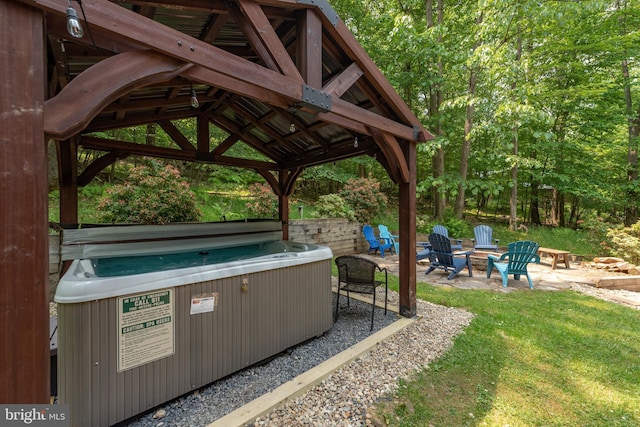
(534, 106)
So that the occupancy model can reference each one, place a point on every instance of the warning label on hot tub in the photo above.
(145, 328)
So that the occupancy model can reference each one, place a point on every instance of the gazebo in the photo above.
(285, 77)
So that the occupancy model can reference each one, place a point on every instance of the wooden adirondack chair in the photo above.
(375, 244)
(383, 233)
(520, 254)
(483, 239)
(441, 229)
(442, 257)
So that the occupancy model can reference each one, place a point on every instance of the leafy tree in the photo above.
(154, 194)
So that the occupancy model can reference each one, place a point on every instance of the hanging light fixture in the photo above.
(73, 23)
(194, 99)
(292, 127)
(355, 142)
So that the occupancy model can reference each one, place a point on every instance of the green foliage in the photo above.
(333, 206)
(220, 206)
(263, 204)
(365, 197)
(457, 228)
(154, 194)
(625, 242)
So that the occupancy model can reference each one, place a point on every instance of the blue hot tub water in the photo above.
(124, 266)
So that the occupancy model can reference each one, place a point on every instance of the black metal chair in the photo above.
(357, 274)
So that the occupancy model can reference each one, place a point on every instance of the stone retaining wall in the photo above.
(344, 237)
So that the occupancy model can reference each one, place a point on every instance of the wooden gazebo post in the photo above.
(407, 225)
(24, 348)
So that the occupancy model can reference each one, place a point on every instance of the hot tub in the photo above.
(131, 337)
(91, 279)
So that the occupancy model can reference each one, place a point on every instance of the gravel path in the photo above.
(343, 398)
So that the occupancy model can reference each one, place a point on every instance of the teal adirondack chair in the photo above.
(520, 254)
(375, 244)
(484, 238)
(387, 237)
(441, 229)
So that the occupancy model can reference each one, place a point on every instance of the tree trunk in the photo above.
(557, 208)
(631, 206)
(513, 199)
(535, 206)
(435, 100)
(468, 127)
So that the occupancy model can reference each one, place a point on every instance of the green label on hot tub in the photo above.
(140, 302)
(146, 328)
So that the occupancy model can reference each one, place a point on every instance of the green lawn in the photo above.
(529, 358)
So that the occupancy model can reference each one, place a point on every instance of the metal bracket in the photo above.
(416, 133)
(315, 99)
(325, 8)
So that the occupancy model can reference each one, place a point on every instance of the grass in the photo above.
(577, 242)
(531, 358)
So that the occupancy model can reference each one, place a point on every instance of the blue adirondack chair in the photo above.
(383, 233)
(441, 229)
(520, 254)
(483, 239)
(375, 244)
(442, 257)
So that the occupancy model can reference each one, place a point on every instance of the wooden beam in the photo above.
(68, 180)
(101, 144)
(343, 81)
(407, 231)
(206, 6)
(215, 26)
(250, 89)
(391, 150)
(24, 264)
(260, 26)
(203, 134)
(176, 135)
(95, 168)
(86, 95)
(309, 55)
(225, 145)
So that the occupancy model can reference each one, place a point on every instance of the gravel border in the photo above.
(224, 396)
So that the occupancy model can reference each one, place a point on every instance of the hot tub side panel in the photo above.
(257, 316)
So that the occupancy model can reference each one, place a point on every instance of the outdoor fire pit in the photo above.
(479, 259)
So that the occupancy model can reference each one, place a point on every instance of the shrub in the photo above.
(154, 194)
(264, 202)
(625, 242)
(365, 197)
(333, 206)
(457, 228)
